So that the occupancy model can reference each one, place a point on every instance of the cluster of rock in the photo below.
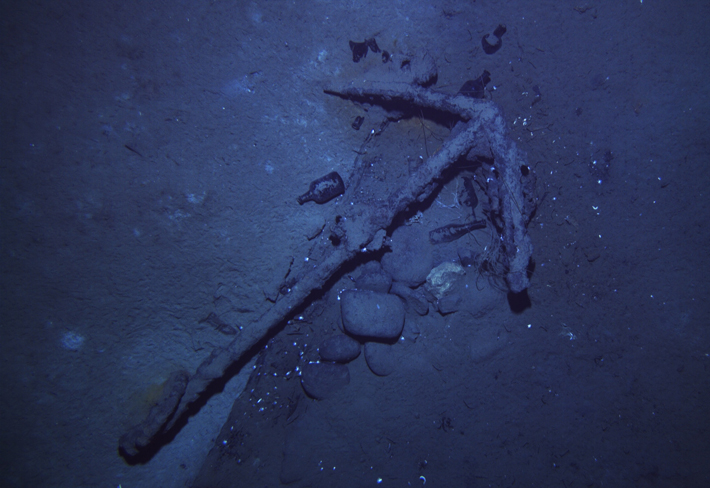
(373, 314)
(375, 318)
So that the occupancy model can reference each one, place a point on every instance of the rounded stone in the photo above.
(320, 380)
(368, 313)
(380, 358)
(373, 277)
(339, 348)
(449, 304)
(412, 256)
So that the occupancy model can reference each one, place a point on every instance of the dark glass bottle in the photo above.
(324, 189)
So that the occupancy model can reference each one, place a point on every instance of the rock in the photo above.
(411, 331)
(415, 299)
(339, 348)
(371, 314)
(449, 303)
(320, 380)
(411, 258)
(373, 277)
(443, 277)
(380, 358)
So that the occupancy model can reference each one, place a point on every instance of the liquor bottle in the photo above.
(323, 189)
